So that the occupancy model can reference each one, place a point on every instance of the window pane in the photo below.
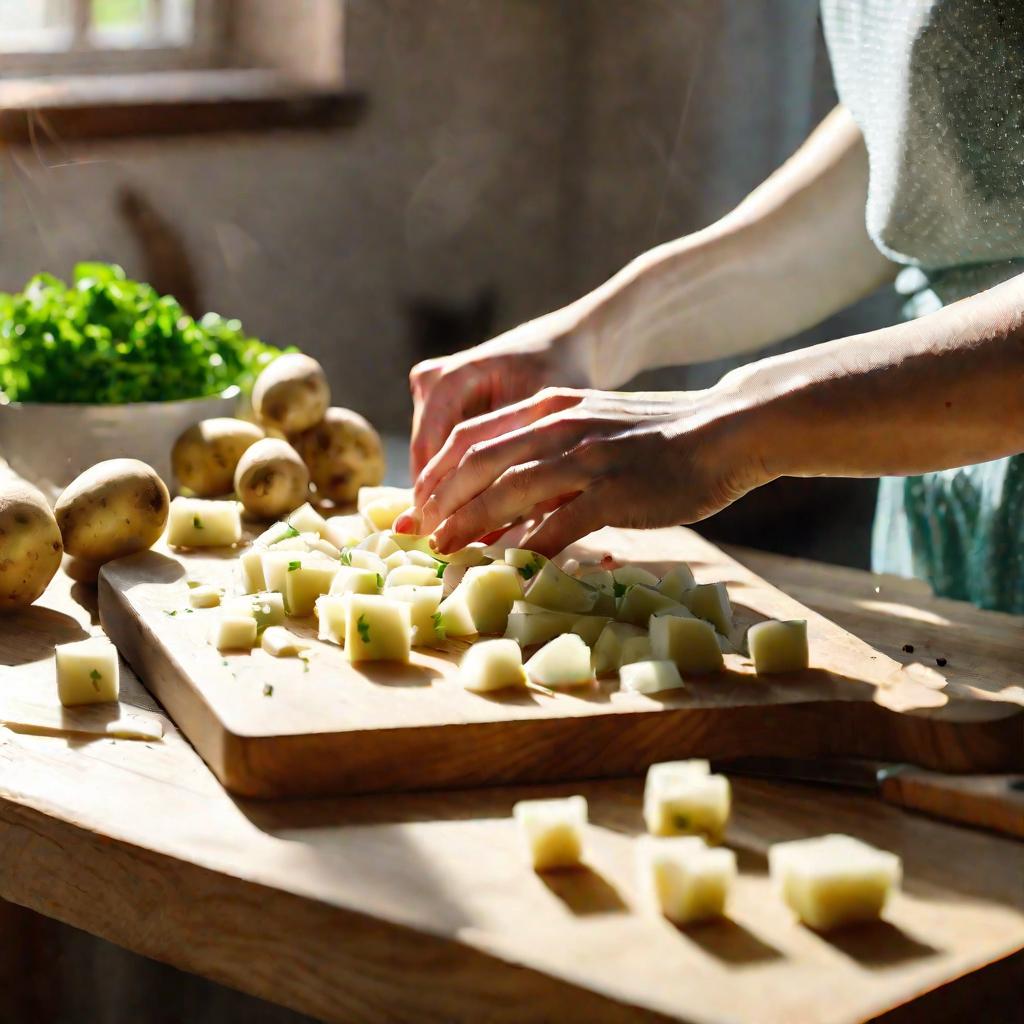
(123, 24)
(32, 25)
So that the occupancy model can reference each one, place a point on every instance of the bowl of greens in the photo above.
(106, 367)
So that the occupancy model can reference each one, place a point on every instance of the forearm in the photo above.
(946, 390)
(793, 252)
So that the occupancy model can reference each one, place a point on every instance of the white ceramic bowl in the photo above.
(49, 444)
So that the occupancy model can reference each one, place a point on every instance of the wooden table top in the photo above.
(422, 908)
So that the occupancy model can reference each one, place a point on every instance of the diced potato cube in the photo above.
(691, 643)
(381, 544)
(529, 624)
(359, 558)
(553, 831)
(321, 546)
(274, 534)
(710, 601)
(282, 643)
(304, 583)
(87, 672)
(492, 665)
(377, 628)
(421, 558)
(275, 567)
(453, 616)
(423, 602)
(489, 592)
(396, 560)
(383, 507)
(778, 646)
(250, 571)
(198, 523)
(204, 596)
(526, 563)
(331, 614)
(349, 580)
(833, 880)
(590, 627)
(554, 589)
(292, 543)
(608, 649)
(634, 649)
(641, 602)
(346, 531)
(306, 519)
(412, 576)
(683, 798)
(562, 662)
(471, 555)
(677, 581)
(649, 677)
(627, 576)
(410, 542)
(236, 633)
(604, 583)
(687, 880)
(267, 608)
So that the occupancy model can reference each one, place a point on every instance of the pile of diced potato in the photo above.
(378, 594)
(827, 881)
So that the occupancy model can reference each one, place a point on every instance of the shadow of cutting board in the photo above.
(270, 727)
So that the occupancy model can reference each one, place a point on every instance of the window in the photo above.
(76, 36)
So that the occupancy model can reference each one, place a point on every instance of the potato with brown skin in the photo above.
(205, 456)
(271, 480)
(291, 394)
(30, 545)
(113, 509)
(343, 453)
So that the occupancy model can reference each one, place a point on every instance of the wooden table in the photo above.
(420, 907)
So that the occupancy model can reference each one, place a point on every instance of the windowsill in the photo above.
(106, 106)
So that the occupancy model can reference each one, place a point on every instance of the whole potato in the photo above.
(205, 456)
(291, 394)
(30, 545)
(271, 479)
(343, 453)
(113, 509)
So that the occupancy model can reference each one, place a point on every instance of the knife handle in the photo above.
(994, 802)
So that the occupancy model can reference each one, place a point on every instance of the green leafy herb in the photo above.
(224, 661)
(197, 523)
(95, 676)
(441, 566)
(364, 629)
(531, 569)
(346, 556)
(106, 339)
(305, 664)
(439, 627)
(268, 690)
(289, 533)
(619, 588)
(380, 582)
(292, 566)
(171, 613)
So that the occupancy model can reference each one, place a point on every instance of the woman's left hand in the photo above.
(596, 458)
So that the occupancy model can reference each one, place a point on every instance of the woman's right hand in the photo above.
(515, 365)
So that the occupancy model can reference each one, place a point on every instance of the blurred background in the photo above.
(377, 181)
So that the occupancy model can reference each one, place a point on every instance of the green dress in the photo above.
(937, 88)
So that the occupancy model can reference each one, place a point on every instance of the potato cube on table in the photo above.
(236, 632)
(641, 602)
(250, 571)
(282, 643)
(649, 677)
(304, 582)
(553, 831)
(688, 642)
(87, 672)
(677, 581)
(267, 608)
(423, 604)
(607, 656)
(710, 601)
(833, 880)
(412, 576)
(204, 596)
(332, 615)
(350, 580)
(377, 628)
(683, 798)
(562, 662)
(489, 592)
(687, 880)
(201, 523)
(492, 665)
(778, 646)
(634, 649)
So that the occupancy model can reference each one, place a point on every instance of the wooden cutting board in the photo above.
(329, 727)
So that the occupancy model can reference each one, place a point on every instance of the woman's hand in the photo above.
(508, 368)
(596, 458)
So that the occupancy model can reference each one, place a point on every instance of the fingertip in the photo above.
(407, 522)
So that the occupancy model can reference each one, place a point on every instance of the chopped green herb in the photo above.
(189, 611)
(364, 629)
(289, 533)
(380, 582)
(439, 627)
(441, 566)
(619, 588)
(346, 556)
(197, 523)
(292, 566)
(224, 661)
(95, 677)
(531, 568)
(170, 613)
(305, 664)
(192, 584)
(268, 690)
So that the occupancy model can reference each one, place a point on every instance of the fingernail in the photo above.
(407, 522)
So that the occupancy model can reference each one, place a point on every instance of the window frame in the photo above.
(78, 55)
